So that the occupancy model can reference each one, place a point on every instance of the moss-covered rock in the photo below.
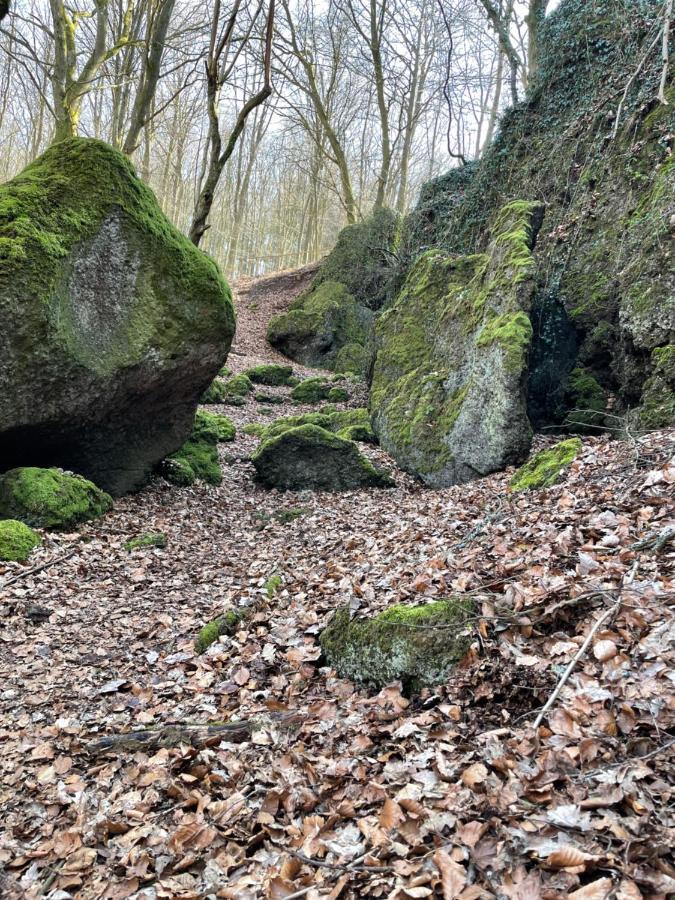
(50, 498)
(147, 539)
(319, 325)
(309, 457)
(546, 468)
(448, 396)
(312, 390)
(338, 395)
(350, 424)
(271, 375)
(657, 408)
(113, 322)
(272, 399)
(213, 427)
(586, 403)
(225, 624)
(214, 394)
(17, 541)
(418, 645)
(238, 386)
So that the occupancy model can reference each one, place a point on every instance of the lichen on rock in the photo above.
(50, 498)
(416, 645)
(448, 396)
(546, 468)
(113, 322)
(17, 541)
(309, 457)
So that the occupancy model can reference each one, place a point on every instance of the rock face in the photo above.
(448, 395)
(113, 323)
(309, 457)
(417, 645)
(603, 311)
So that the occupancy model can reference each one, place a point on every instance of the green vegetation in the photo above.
(60, 201)
(657, 409)
(309, 457)
(513, 332)
(545, 468)
(212, 427)
(225, 624)
(271, 375)
(215, 393)
(418, 645)
(50, 498)
(272, 585)
(312, 390)
(147, 539)
(239, 386)
(17, 541)
(354, 421)
(274, 399)
(587, 403)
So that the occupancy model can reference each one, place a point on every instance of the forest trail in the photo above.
(343, 792)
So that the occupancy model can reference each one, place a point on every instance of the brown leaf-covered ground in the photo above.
(343, 792)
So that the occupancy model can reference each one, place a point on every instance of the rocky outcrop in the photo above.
(417, 645)
(448, 396)
(604, 302)
(113, 323)
(309, 457)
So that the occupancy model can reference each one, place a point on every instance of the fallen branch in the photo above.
(172, 736)
(655, 541)
(631, 80)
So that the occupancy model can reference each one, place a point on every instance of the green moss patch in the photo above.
(417, 645)
(657, 409)
(312, 390)
(50, 498)
(239, 386)
(213, 427)
(147, 539)
(273, 399)
(225, 624)
(271, 375)
(351, 424)
(272, 585)
(587, 403)
(309, 457)
(215, 393)
(17, 541)
(546, 468)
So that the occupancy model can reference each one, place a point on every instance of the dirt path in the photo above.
(445, 795)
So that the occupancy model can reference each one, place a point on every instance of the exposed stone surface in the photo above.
(113, 322)
(50, 498)
(418, 645)
(448, 393)
(309, 457)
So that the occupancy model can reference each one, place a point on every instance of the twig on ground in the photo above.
(35, 569)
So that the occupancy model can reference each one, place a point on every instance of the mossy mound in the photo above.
(319, 325)
(657, 409)
(17, 541)
(448, 396)
(271, 375)
(50, 498)
(238, 386)
(147, 539)
(309, 457)
(350, 424)
(273, 399)
(417, 645)
(113, 321)
(214, 394)
(213, 427)
(312, 390)
(225, 624)
(546, 468)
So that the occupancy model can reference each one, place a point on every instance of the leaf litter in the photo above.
(340, 791)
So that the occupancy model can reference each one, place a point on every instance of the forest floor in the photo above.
(345, 792)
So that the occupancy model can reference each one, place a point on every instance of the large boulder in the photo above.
(310, 457)
(113, 323)
(448, 395)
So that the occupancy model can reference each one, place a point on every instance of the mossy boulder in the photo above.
(214, 394)
(319, 325)
(113, 323)
(271, 399)
(17, 541)
(50, 498)
(546, 468)
(312, 390)
(238, 386)
(350, 424)
(309, 457)
(213, 427)
(155, 539)
(657, 407)
(417, 645)
(448, 395)
(271, 375)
